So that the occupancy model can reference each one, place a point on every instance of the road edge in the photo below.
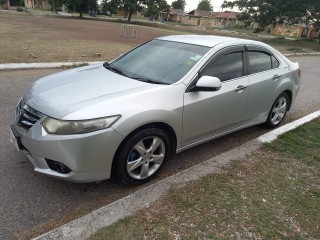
(8, 66)
(16, 66)
(86, 226)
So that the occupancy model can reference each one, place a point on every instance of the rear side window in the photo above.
(259, 62)
(275, 62)
(226, 67)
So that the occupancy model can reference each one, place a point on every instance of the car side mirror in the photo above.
(207, 84)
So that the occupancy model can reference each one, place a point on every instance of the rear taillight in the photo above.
(299, 72)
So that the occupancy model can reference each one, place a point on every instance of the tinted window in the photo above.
(226, 67)
(259, 62)
(275, 62)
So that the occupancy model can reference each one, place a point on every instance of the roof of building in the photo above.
(226, 14)
(176, 11)
(202, 13)
(173, 11)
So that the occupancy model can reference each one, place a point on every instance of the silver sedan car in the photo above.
(125, 117)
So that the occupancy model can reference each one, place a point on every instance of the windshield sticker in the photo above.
(196, 58)
(190, 62)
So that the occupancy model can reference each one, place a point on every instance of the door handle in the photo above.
(240, 88)
(275, 77)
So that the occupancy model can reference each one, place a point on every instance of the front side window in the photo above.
(159, 61)
(226, 67)
(259, 62)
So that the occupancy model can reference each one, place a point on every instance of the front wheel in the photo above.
(278, 111)
(142, 156)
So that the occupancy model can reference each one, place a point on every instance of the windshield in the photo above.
(159, 61)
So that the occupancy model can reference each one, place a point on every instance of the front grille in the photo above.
(27, 116)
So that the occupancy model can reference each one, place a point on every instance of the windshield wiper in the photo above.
(149, 81)
(113, 69)
(106, 64)
(116, 70)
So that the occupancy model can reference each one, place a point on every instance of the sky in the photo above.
(192, 4)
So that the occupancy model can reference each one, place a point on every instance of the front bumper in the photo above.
(89, 156)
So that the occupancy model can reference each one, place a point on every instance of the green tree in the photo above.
(313, 10)
(178, 4)
(130, 6)
(245, 18)
(267, 11)
(57, 4)
(155, 6)
(15, 2)
(205, 5)
(111, 6)
(81, 6)
(263, 14)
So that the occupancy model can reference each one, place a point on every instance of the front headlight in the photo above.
(62, 127)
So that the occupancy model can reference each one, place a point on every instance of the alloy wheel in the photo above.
(279, 110)
(146, 157)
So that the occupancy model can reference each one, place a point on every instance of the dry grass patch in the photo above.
(26, 38)
(20, 43)
(273, 194)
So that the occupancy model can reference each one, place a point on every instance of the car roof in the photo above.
(203, 40)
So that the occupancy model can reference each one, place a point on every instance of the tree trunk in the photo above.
(130, 15)
(81, 14)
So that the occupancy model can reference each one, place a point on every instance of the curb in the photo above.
(302, 54)
(86, 226)
(7, 66)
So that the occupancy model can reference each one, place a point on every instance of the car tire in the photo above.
(278, 111)
(142, 156)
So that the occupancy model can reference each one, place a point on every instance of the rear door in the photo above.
(265, 73)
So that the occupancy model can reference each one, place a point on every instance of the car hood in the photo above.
(62, 93)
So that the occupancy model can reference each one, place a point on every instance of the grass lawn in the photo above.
(273, 194)
(27, 38)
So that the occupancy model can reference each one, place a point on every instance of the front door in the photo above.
(207, 114)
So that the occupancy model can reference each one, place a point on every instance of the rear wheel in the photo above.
(278, 111)
(142, 156)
